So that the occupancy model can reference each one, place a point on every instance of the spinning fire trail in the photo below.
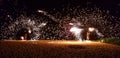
(46, 26)
(77, 32)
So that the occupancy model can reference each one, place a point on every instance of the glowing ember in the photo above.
(29, 31)
(40, 11)
(22, 38)
(91, 29)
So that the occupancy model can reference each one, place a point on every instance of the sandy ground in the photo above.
(57, 49)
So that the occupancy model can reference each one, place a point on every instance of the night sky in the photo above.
(112, 5)
(18, 7)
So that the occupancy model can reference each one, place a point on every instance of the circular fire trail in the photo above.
(43, 25)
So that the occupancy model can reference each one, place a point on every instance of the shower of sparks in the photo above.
(77, 32)
(33, 26)
(53, 26)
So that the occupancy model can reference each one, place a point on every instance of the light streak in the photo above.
(40, 11)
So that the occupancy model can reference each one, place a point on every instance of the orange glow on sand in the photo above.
(72, 42)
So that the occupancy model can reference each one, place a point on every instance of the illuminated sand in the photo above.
(57, 49)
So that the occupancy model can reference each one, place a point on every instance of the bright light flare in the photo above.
(40, 11)
(43, 24)
(29, 31)
(91, 29)
(77, 32)
(22, 38)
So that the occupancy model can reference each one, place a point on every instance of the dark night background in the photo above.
(29, 5)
